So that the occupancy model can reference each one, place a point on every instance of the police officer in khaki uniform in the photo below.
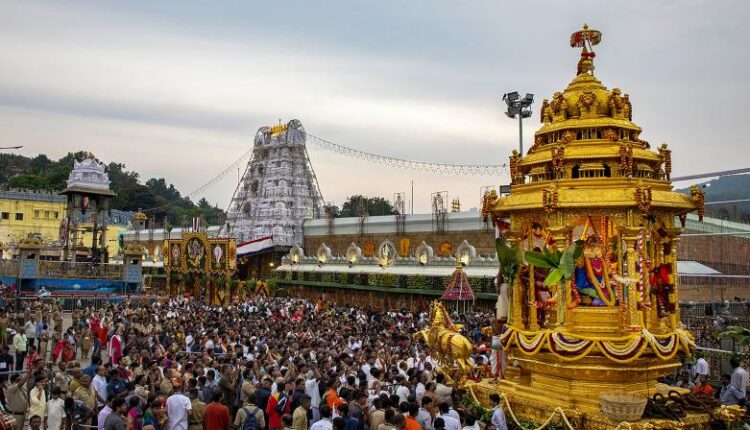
(17, 399)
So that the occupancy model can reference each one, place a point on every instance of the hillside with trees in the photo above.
(727, 189)
(40, 173)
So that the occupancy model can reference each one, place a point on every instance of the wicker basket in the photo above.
(622, 407)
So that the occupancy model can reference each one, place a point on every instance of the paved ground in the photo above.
(85, 361)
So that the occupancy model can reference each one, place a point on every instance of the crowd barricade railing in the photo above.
(95, 301)
(79, 270)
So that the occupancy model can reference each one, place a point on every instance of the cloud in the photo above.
(177, 89)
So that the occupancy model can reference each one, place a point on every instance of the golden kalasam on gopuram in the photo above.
(590, 234)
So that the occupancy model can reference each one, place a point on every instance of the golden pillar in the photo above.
(674, 234)
(561, 236)
(515, 312)
(635, 320)
(531, 302)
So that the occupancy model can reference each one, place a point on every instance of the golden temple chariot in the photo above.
(590, 237)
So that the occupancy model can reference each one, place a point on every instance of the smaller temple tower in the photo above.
(87, 190)
(278, 191)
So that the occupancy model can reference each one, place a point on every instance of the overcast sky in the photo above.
(177, 89)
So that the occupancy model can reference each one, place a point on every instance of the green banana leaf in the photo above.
(554, 276)
(508, 259)
(740, 334)
(538, 259)
(552, 256)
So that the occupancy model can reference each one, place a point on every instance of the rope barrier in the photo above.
(545, 424)
(558, 410)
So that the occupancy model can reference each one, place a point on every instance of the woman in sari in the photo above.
(115, 347)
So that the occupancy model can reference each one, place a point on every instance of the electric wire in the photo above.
(423, 166)
(223, 174)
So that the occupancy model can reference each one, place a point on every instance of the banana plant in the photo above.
(509, 258)
(561, 264)
(739, 334)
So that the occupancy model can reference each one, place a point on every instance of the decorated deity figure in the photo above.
(587, 104)
(545, 114)
(626, 158)
(592, 278)
(515, 176)
(617, 106)
(489, 200)
(665, 156)
(559, 107)
(628, 106)
(558, 160)
(662, 290)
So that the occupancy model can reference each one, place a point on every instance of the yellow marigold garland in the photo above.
(633, 345)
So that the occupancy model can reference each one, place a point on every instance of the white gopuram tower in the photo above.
(279, 189)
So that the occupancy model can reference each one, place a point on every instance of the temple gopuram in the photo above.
(588, 313)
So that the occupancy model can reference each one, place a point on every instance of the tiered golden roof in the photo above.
(588, 133)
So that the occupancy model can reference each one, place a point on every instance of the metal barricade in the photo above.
(66, 269)
(80, 302)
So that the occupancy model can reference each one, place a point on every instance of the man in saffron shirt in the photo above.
(217, 415)
(410, 411)
(703, 389)
(282, 399)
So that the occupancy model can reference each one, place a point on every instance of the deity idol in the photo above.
(592, 277)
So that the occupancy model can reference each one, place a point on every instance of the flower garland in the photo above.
(622, 350)
(550, 199)
(699, 198)
(626, 159)
(607, 298)
(644, 197)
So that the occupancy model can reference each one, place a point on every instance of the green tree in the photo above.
(41, 173)
(373, 206)
(28, 181)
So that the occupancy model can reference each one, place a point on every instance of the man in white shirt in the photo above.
(471, 423)
(739, 376)
(99, 382)
(443, 393)
(189, 341)
(402, 391)
(312, 390)
(423, 417)
(700, 368)
(209, 346)
(20, 343)
(325, 419)
(103, 417)
(366, 369)
(498, 415)
(178, 408)
(451, 423)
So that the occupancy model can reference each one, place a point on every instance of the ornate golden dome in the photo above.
(588, 123)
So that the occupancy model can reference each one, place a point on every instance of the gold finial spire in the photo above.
(586, 39)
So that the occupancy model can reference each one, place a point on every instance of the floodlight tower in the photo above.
(520, 107)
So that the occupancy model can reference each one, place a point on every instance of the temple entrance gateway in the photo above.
(202, 267)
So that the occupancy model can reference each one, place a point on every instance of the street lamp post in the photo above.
(520, 107)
